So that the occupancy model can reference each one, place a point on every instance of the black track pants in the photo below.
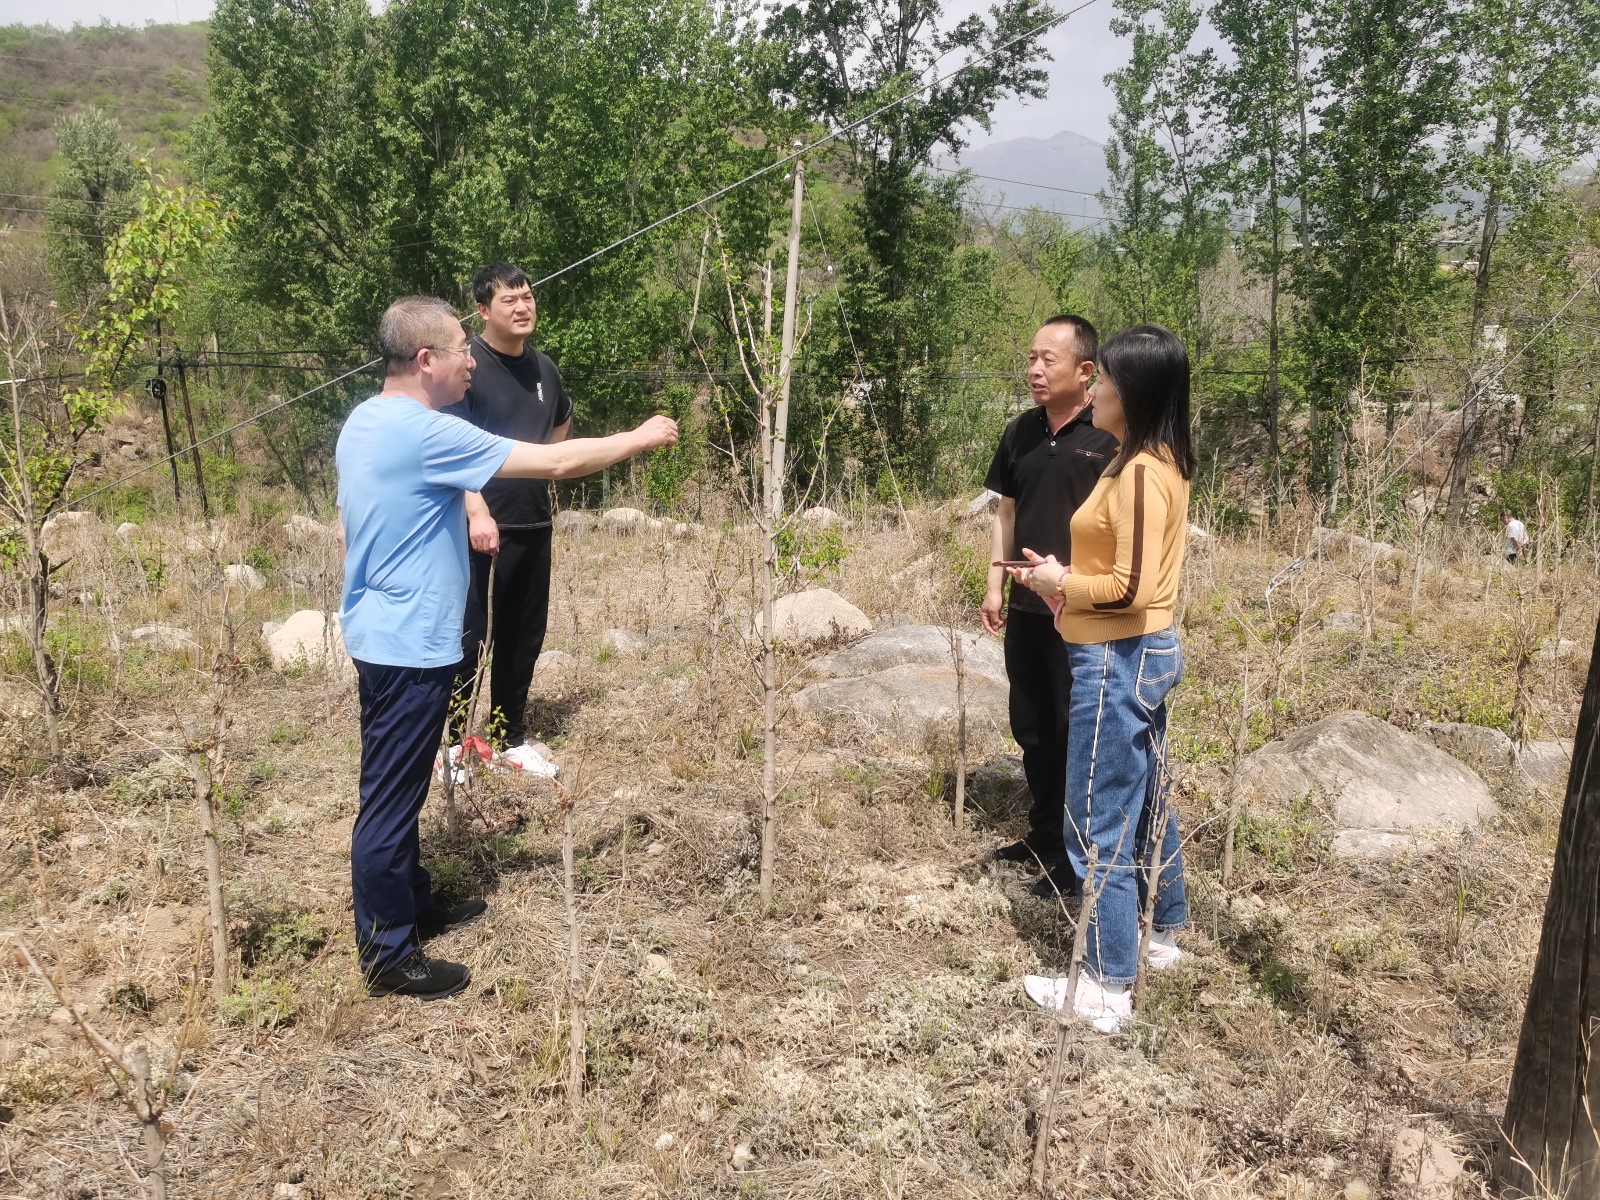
(521, 612)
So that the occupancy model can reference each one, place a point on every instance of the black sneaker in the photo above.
(442, 918)
(1024, 852)
(422, 977)
(1058, 879)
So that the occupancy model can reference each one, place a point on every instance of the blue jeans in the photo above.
(1118, 795)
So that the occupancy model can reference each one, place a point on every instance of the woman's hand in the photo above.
(1040, 578)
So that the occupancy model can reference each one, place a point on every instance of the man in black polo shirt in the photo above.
(516, 392)
(1048, 462)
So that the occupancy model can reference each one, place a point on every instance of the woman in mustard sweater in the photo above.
(1114, 606)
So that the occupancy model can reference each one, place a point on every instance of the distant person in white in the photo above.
(1516, 536)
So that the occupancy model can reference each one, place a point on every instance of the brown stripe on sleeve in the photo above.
(1126, 599)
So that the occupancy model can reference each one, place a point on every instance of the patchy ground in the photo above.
(869, 1037)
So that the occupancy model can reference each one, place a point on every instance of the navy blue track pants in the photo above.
(402, 719)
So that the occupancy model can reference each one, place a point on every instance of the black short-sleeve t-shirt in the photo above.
(1049, 476)
(518, 397)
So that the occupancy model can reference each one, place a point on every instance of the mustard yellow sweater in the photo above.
(1127, 553)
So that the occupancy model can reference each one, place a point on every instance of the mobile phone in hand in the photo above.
(1012, 562)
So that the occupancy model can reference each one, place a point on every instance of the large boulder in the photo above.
(917, 645)
(983, 504)
(627, 520)
(306, 640)
(165, 637)
(303, 531)
(1337, 541)
(814, 617)
(1475, 745)
(909, 702)
(570, 520)
(68, 533)
(1546, 765)
(244, 577)
(821, 518)
(1385, 789)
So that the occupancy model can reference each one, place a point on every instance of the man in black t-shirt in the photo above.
(516, 392)
(1048, 461)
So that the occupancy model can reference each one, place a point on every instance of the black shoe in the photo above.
(442, 918)
(1060, 880)
(1026, 853)
(422, 977)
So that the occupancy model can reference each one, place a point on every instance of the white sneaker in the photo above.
(1047, 991)
(526, 758)
(1105, 1006)
(1162, 952)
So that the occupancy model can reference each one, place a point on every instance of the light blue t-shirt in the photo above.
(404, 470)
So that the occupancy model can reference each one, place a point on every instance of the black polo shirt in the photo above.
(518, 397)
(1048, 476)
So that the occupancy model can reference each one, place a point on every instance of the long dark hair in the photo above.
(1150, 369)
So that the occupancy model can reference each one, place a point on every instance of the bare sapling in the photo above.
(1064, 1021)
(202, 754)
(146, 1099)
(958, 653)
(577, 1025)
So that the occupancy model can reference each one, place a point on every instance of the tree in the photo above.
(1533, 104)
(843, 60)
(1166, 228)
(1384, 91)
(90, 200)
(1258, 102)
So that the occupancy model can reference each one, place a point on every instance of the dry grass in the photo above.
(870, 1039)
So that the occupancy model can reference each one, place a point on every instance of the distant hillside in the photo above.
(151, 80)
(1061, 173)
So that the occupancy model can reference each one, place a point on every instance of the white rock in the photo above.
(815, 617)
(127, 529)
(659, 966)
(244, 577)
(553, 660)
(1546, 765)
(1337, 541)
(1557, 651)
(666, 1142)
(570, 520)
(1422, 1167)
(308, 640)
(304, 531)
(1472, 744)
(819, 517)
(907, 702)
(919, 645)
(623, 641)
(624, 520)
(61, 522)
(288, 1191)
(1386, 789)
(688, 529)
(165, 637)
(983, 504)
(1198, 533)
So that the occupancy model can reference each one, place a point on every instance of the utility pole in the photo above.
(194, 442)
(791, 288)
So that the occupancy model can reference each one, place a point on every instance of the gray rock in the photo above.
(308, 640)
(1472, 744)
(1557, 651)
(1198, 534)
(268, 628)
(1345, 622)
(127, 529)
(572, 521)
(625, 520)
(821, 518)
(907, 702)
(62, 522)
(165, 637)
(688, 529)
(553, 660)
(304, 531)
(983, 504)
(1386, 789)
(919, 645)
(1337, 541)
(815, 617)
(244, 577)
(1546, 765)
(623, 642)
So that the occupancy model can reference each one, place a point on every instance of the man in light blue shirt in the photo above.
(404, 471)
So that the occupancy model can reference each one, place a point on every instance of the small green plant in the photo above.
(289, 733)
(261, 1004)
(261, 559)
(810, 552)
(154, 568)
(1283, 843)
(452, 877)
(280, 935)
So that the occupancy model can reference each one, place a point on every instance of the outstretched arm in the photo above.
(584, 456)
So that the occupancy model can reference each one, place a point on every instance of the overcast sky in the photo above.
(1079, 99)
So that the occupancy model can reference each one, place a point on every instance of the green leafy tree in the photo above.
(1533, 103)
(904, 277)
(90, 200)
(1384, 93)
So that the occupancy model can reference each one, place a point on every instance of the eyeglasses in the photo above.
(464, 348)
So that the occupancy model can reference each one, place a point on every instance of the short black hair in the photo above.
(1150, 368)
(495, 276)
(1083, 334)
